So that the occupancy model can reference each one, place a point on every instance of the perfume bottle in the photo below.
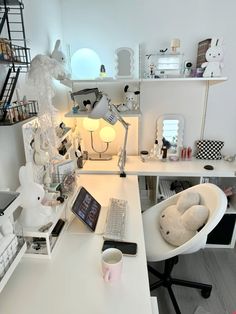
(156, 149)
(164, 153)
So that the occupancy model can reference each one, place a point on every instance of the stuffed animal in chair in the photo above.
(180, 222)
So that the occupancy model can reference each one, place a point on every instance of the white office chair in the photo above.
(157, 249)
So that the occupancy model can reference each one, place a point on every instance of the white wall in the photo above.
(106, 25)
(43, 27)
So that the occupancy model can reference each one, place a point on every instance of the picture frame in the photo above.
(64, 168)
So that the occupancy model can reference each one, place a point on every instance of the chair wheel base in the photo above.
(206, 293)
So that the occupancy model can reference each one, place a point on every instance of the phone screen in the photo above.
(127, 248)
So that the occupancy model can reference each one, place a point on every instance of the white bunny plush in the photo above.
(60, 57)
(57, 53)
(33, 214)
(214, 57)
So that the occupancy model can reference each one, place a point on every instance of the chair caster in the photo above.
(206, 293)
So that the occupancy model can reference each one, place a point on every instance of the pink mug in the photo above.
(112, 260)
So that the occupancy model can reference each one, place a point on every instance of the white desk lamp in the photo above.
(107, 135)
(102, 108)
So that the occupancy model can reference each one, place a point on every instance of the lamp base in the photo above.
(100, 157)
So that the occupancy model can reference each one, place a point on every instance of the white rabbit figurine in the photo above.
(60, 57)
(57, 53)
(214, 57)
(33, 214)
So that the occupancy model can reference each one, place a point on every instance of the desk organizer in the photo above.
(67, 182)
(11, 251)
(41, 244)
(15, 113)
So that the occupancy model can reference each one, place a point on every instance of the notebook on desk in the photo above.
(90, 216)
(6, 198)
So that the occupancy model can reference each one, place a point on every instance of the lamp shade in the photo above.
(101, 110)
(90, 124)
(107, 134)
(85, 64)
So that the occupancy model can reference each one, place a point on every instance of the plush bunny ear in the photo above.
(195, 217)
(219, 42)
(126, 88)
(57, 45)
(26, 174)
(214, 42)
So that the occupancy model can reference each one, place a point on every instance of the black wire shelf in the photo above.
(17, 112)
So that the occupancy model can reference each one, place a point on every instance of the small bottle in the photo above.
(189, 153)
(156, 149)
(164, 153)
(183, 153)
(103, 71)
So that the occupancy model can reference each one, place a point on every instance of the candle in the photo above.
(175, 43)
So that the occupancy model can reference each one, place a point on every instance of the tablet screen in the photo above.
(86, 208)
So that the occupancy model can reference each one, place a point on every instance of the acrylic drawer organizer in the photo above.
(15, 113)
(14, 249)
(42, 244)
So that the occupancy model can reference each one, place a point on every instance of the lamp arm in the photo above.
(122, 157)
(119, 117)
(92, 145)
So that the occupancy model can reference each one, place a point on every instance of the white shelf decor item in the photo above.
(124, 61)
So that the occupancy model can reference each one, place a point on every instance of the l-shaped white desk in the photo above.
(71, 282)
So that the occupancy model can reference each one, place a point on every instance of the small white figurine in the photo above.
(214, 57)
(131, 102)
(33, 214)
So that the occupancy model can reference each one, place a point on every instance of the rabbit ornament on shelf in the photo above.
(60, 57)
(57, 53)
(33, 214)
(214, 56)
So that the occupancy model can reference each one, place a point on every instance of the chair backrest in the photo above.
(157, 248)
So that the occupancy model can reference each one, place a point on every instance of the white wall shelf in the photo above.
(211, 80)
(81, 114)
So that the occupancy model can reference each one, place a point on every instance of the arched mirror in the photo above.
(170, 132)
(124, 59)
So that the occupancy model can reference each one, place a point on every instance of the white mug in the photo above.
(112, 260)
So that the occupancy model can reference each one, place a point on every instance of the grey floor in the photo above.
(214, 266)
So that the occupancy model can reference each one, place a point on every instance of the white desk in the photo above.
(71, 282)
(134, 166)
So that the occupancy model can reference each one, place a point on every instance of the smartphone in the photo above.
(127, 248)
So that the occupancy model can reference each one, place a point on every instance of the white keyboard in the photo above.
(115, 224)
